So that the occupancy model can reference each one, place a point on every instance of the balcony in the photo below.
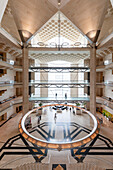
(5, 65)
(10, 102)
(18, 68)
(6, 84)
(104, 101)
(100, 68)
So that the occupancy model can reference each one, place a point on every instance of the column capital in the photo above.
(93, 45)
(25, 45)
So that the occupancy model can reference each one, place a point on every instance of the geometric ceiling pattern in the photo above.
(39, 16)
(59, 25)
(31, 15)
(42, 16)
(72, 57)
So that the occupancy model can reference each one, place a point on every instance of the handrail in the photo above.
(58, 145)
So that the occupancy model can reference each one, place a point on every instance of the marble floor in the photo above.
(56, 127)
(13, 145)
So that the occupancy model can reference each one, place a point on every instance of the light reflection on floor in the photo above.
(10, 129)
(62, 128)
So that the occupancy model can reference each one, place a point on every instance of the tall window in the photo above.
(37, 79)
(59, 77)
(81, 79)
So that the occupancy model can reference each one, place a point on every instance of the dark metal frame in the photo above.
(59, 69)
(59, 85)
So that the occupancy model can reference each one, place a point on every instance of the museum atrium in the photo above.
(56, 84)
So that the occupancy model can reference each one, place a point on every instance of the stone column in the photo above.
(86, 64)
(93, 80)
(25, 80)
(74, 77)
(44, 77)
(31, 77)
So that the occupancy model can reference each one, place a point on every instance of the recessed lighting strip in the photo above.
(58, 145)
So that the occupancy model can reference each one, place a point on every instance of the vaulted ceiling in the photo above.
(78, 18)
(53, 28)
(86, 15)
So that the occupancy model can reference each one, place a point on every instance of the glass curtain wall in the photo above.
(59, 77)
(37, 78)
(81, 79)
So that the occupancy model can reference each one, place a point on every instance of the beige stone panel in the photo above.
(43, 77)
(93, 80)
(3, 4)
(25, 81)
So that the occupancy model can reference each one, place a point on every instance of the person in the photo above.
(55, 117)
(65, 95)
(38, 122)
(56, 95)
(101, 121)
(73, 111)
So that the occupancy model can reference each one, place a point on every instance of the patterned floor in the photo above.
(59, 167)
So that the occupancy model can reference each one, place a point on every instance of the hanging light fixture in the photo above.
(59, 31)
(59, 3)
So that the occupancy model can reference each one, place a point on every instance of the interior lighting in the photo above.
(59, 2)
(93, 35)
(56, 144)
(25, 35)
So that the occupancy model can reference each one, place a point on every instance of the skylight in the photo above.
(59, 33)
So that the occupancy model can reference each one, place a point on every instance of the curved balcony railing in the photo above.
(10, 102)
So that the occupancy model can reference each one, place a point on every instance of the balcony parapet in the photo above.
(10, 102)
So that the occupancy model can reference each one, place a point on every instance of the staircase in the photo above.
(42, 166)
(33, 166)
(84, 166)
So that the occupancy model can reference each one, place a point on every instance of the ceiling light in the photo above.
(77, 44)
(40, 43)
(59, 2)
(64, 44)
(25, 35)
(53, 44)
(93, 35)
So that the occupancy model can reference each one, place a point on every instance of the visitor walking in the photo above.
(55, 117)
(65, 95)
(56, 95)
(38, 122)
